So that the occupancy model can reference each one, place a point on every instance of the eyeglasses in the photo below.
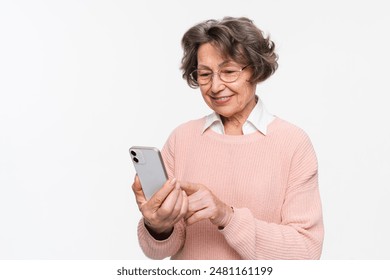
(228, 74)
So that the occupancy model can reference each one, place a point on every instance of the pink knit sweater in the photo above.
(271, 181)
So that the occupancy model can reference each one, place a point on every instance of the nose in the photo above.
(216, 83)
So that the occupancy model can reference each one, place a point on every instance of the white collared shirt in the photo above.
(258, 120)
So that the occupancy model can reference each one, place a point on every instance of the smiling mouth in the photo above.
(222, 98)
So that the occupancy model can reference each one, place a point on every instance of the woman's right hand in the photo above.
(164, 209)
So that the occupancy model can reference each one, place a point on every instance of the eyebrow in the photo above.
(219, 65)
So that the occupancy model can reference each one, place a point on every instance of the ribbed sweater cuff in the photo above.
(160, 249)
(237, 233)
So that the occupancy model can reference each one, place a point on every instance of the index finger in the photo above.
(189, 188)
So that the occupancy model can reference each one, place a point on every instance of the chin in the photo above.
(225, 114)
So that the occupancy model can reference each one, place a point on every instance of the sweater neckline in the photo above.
(255, 136)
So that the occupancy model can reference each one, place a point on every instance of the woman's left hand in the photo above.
(203, 204)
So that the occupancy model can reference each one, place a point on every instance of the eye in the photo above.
(203, 73)
(229, 71)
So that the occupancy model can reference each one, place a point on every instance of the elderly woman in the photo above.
(243, 182)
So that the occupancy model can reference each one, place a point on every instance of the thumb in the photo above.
(138, 192)
(190, 188)
(159, 197)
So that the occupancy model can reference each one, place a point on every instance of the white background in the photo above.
(82, 81)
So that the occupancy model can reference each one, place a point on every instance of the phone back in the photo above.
(150, 168)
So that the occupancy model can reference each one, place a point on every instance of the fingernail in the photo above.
(173, 181)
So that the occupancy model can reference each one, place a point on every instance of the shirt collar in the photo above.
(259, 119)
(214, 122)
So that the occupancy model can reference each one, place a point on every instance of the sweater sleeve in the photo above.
(160, 249)
(300, 233)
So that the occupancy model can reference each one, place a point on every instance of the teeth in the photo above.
(222, 98)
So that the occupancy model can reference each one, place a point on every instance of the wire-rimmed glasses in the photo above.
(227, 74)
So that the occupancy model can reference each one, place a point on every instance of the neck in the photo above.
(233, 125)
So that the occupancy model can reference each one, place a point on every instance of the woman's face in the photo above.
(230, 100)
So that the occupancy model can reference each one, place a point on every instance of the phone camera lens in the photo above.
(133, 153)
(136, 160)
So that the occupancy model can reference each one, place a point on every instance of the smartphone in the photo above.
(150, 168)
